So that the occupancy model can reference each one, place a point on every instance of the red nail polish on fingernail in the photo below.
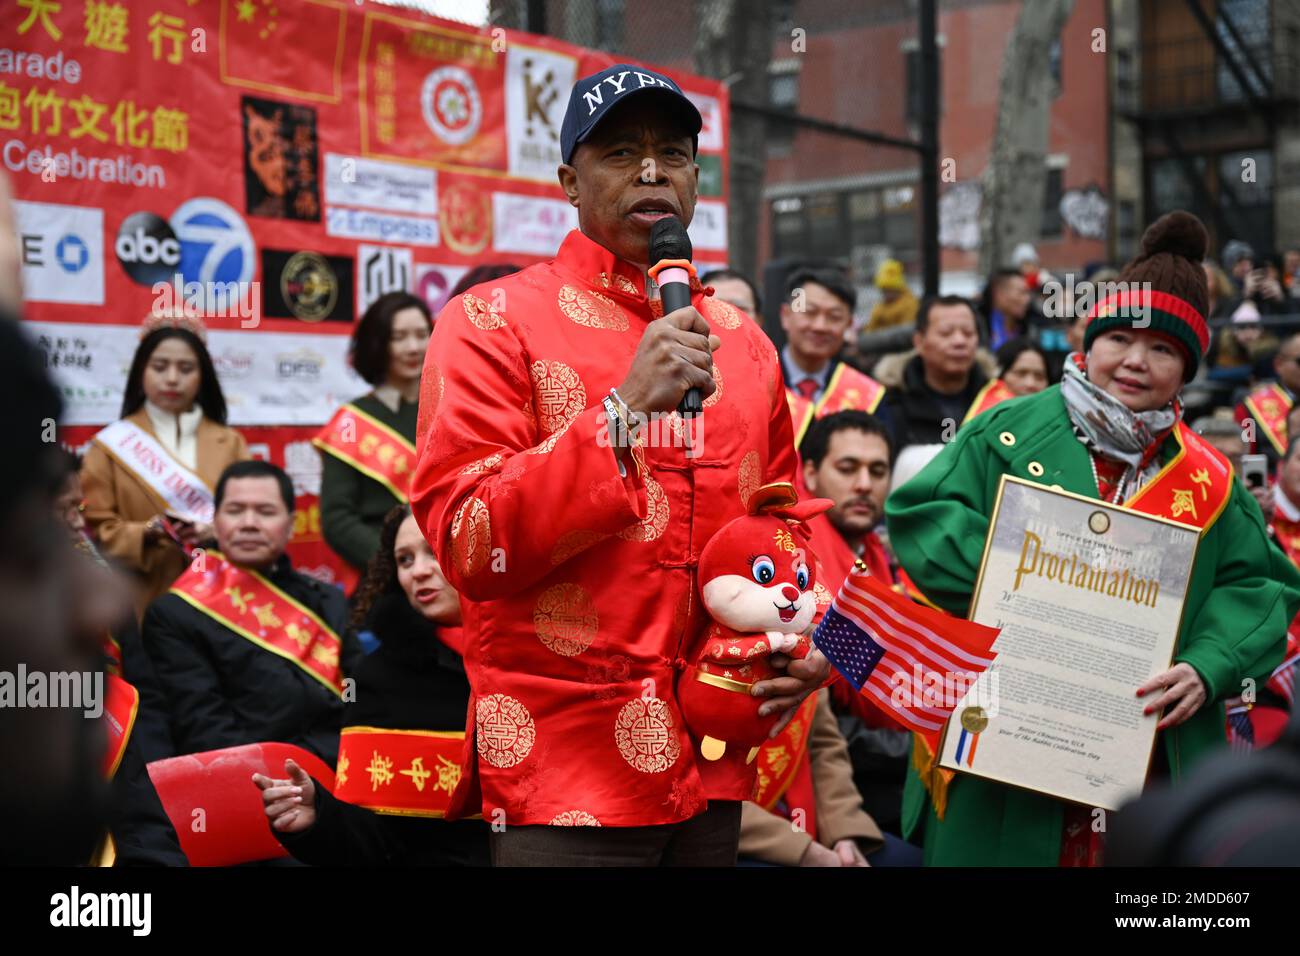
(1141, 692)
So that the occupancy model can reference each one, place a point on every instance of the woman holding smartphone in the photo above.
(148, 477)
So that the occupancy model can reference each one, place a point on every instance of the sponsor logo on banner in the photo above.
(530, 224)
(307, 285)
(280, 153)
(710, 174)
(433, 283)
(451, 104)
(537, 90)
(233, 364)
(217, 251)
(466, 219)
(147, 249)
(711, 115)
(380, 226)
(300, 365)
(88, 363)
(62, 250)
(394, 187)
(708, 230)
(381, 269)
(295, 378)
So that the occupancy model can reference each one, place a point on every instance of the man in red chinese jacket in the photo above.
(573, 543)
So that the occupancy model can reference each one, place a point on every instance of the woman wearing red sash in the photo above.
(148, 478)
(1022, 370)
(1112, 430)
(412, 695)
(368, 448)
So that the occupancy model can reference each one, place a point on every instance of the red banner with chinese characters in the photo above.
(279, 164)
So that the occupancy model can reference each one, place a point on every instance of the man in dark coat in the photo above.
(941, 382)
(231, 686)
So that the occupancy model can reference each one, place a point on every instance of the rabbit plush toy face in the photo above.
(757, 577)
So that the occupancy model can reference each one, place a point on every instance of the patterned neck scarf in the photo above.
(1108, 427)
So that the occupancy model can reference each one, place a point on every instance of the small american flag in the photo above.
(880, 640)
(1282, 680)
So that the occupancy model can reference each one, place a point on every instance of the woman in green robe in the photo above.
(1107, 431)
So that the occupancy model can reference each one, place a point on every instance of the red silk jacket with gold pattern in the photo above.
(578, 584)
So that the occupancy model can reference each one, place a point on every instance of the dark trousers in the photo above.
(707, 839)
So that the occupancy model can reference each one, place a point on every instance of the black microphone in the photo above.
(670, 267)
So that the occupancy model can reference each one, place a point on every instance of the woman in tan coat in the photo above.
(149, 476)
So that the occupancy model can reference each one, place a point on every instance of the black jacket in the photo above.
(152, 731)
(223, 690)
(922, 416)
(411, 682)
(142, 833)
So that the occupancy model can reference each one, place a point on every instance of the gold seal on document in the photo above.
(974, 719)
(1099, 522)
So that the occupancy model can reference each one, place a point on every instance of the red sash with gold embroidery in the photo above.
(779, 758)
(847, 389)
(1287, 534)
(113, 651)
(1268, 405)
(1193, 487)
(409, 773)
(991, 394)
(245, 602)
(121, 703)
(369, 446)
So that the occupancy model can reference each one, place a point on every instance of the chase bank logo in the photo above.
(216, 250)
(72, 254)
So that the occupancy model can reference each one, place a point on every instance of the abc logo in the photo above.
(147, 248)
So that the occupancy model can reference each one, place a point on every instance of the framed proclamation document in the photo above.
(1089, 597)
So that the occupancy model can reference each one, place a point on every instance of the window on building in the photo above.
(1246, 195)
(1250, 20)
(783, 95)
(1054, 65)
(866, 228)
(1051, 223)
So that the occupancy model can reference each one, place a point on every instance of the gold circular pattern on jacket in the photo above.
(750, 477)
(560, 393)
(490, 463)
(471, 536)
(1099, 522)
(574, 818)
(1007, 439)
(591, 309)
(481, 314)
(549, 443)
(724, 314)
(717, 394)
(573, 543)
(656, 515)
(644, 734)
(822, 595)
(504, 730)
(974, 719)
(565, 619)
(620, 282)
(1036, 469)
(431, 385)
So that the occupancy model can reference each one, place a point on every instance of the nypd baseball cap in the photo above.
(594, 96)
